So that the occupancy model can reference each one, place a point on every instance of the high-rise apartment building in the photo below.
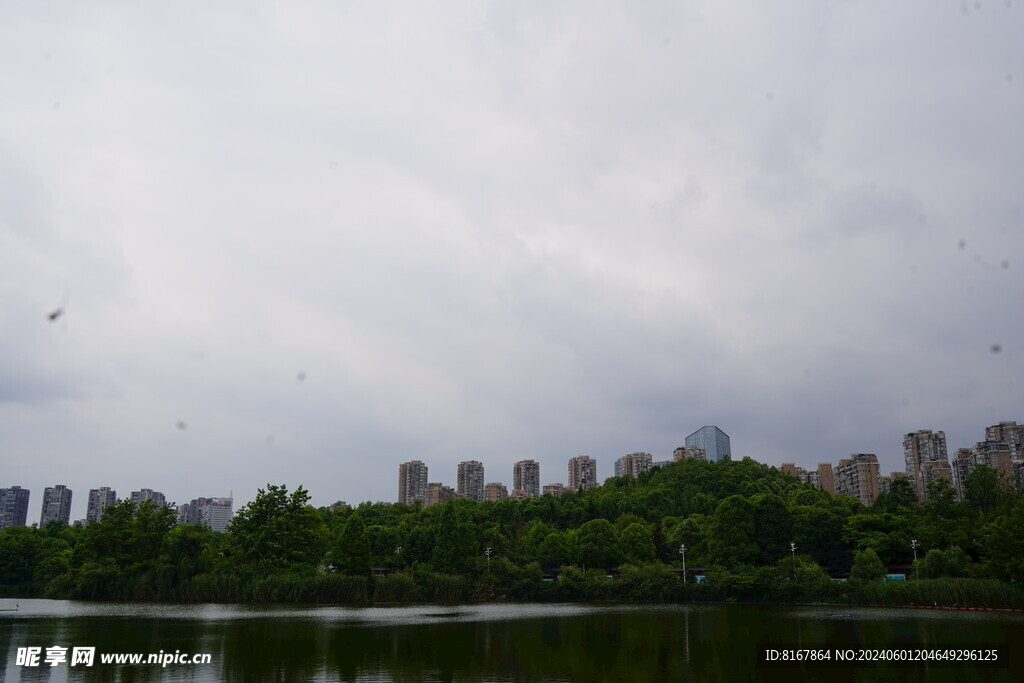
(690, 452)
(582, 473)
(554, 489)
(526, 476)
(713, 440)
(495, 491)
(927, 460)
(99, 500)
(633, 464)
(470, 480)
(215, 513)
(412, 482)
(56, 505)
(826, 478)
(994, 454)
(857, 477)
(1010, 433)
(156, 497)
(13, 506)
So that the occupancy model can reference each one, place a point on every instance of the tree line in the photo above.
(755, 532)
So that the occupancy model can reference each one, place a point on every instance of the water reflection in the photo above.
(491, 642)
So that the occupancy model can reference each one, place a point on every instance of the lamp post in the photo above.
(488, 554)
(682, 551)
(792, 555)
(913, 546)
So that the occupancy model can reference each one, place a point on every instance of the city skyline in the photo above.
(846, 474)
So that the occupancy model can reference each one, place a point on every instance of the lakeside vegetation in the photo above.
(618, 542)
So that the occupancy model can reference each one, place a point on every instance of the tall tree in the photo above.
(637, 543)
(732, 539)
(867, 566)
(455, 542)
(598, 545)
(352, 553)
(278, 532)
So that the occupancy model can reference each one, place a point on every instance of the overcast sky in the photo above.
(327, 238)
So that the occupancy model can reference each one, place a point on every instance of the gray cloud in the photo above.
(496, 233)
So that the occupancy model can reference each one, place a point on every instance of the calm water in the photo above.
(530, 642)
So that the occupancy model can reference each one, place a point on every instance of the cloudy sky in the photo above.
(301, 242)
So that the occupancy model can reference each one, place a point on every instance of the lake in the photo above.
(498, 642)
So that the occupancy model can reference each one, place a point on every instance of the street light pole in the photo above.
(792, 554)
(913, 546)
(488, 554)
(682, 551)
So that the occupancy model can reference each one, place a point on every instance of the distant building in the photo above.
(826, 478)
(1009, 433)
(470, 480)
(13, 506)
(713, 440)
(690, 453)
(554, 489)
(158, 499)
(661, 463)
(822, 478)
(215, 513)
(439, 493)
(526, 476)
(495, 491)
(339, 506)
(633, 464)
(994, 454)
(56, 505)
(857, 477)
(582, 473)
(518, 494)
(927, 460)
(99, 500)
(412, 482)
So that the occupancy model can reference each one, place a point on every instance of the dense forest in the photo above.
(752, 531)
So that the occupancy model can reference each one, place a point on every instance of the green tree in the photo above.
(1001, 543)
(637, 543)
(732, 540)
(598, 546)
(984, 489)
(936, 564)
(886, 534)
(277, 532)
(352, 553)
(456, 542)
(818, 531)
(773, 528)
(867, 567)
(551, 552)
(900, 496)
